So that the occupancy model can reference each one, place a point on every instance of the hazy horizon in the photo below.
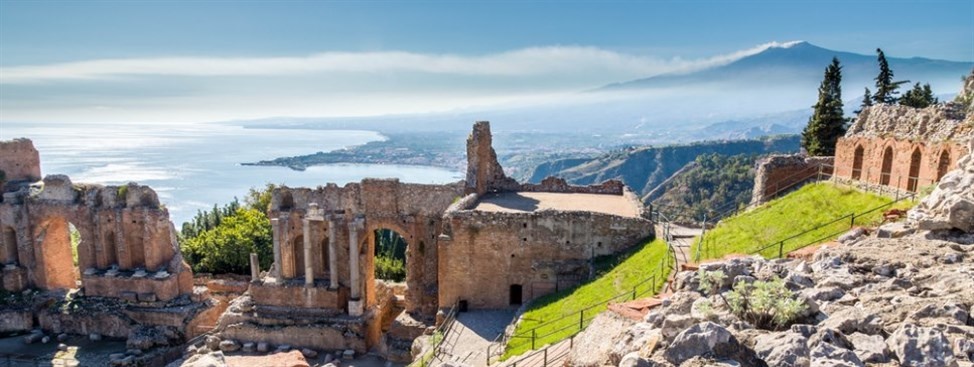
(210, 61)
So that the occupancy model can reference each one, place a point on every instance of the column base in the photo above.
(356, 308)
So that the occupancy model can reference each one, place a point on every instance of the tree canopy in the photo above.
(827, 123)
(919, 96)
(886, 88)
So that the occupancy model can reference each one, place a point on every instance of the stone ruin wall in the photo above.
(19, 161)
(127, 249)
(130, 275)
(543, 252)
(907, 148)
(780, 173)
(412, 210)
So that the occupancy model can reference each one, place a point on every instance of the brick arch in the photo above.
(53, 264)
(913, 177)
(943, 163)
(886, 169)
(857, 162)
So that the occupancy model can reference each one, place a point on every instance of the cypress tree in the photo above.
(827, 123)
(867, 100)
(885, 86)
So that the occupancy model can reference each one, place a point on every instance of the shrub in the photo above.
(764, 304)
(226, 248)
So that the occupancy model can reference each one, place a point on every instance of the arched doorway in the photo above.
(10, 253)
(914, 178)
(857, 163)
(390, 255)
(943, 164)
(887, 168)
(57, 254)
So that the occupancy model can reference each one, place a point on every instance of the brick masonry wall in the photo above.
(483, 253)
(935, 159)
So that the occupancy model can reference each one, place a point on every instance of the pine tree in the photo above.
(827, 123)
(885, 86)
(919, 97)
(867, 100)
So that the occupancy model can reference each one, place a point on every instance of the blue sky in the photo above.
(194, 61)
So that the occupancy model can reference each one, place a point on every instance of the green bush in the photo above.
(390, 255)
(226, 248)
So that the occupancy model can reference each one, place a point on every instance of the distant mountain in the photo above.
(643, 169)
(801, 64)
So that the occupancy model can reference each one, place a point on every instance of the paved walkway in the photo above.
(472, 333)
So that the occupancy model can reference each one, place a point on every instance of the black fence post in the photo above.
(545, 357)
(533, 333)
(781, 249)
(581, 320)
(852, 223)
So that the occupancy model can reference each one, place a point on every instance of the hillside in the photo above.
(710, 181)
(643, 169)
(806, 209)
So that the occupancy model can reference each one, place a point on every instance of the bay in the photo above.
(193, 166)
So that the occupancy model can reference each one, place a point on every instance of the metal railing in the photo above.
(841, 221)
(546, 355)
(440, 335)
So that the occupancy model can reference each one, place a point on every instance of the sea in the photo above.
(194, 166)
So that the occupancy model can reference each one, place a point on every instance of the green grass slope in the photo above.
(782, 223)
(557, 316)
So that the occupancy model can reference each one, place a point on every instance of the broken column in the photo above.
(254, 267)
(355, 304)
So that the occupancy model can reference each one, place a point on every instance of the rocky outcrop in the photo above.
(951, 204)
(903, 301)
(941, 122)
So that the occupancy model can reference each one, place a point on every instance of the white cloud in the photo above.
(536, 61)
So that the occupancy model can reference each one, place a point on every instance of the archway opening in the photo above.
(58, 255)
(390, 255)
(914, 178)
(943, 164)
(10, 252)
(857, 163)
(887, 167)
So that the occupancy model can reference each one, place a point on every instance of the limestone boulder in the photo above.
(287, 359)
(708, 339)
(916, 346)
(785, 349)
(951, 204)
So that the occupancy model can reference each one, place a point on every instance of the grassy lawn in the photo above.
(557, 316)
(784, 218)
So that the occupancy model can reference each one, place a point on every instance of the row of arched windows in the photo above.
(886, 168)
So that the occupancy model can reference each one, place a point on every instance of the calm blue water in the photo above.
(192, 167)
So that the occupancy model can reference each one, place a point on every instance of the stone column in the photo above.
(276, 229)
(309, 275)
(332, 252)
(355, 304)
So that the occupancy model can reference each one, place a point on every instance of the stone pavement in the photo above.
(472, 333)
